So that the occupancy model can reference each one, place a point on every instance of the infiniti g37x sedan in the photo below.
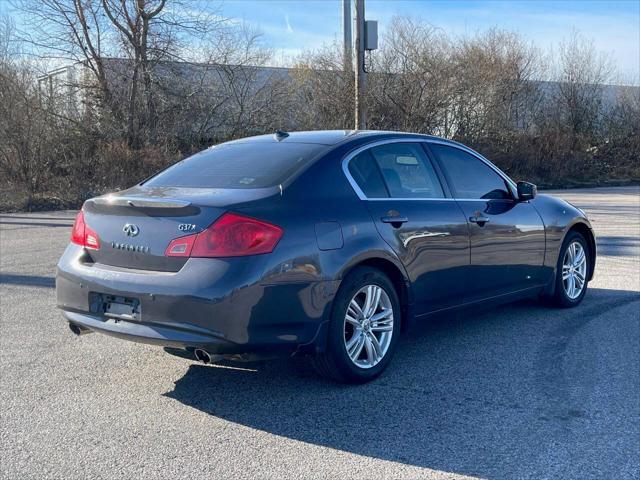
(324, 244)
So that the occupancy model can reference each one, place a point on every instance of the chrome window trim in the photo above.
(362, 196)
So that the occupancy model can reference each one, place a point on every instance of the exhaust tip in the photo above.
(78, 330)
(202, 356)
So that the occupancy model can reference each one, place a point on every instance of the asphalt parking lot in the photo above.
(522, 391)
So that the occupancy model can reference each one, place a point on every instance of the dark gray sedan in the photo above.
(325, 244)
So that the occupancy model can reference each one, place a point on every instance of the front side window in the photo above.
(470, 177)
(407, 171)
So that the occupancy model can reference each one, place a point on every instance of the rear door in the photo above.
(413, 214)
(507, 236)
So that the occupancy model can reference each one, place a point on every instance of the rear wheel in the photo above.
(572, 271)
(364, 328)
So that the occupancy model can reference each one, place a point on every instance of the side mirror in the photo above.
(526, 191)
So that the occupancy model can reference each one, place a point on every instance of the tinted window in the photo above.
(407, 171)
(239, 165)
(471, 177)
(366, 173)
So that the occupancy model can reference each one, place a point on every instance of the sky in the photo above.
(291, 26)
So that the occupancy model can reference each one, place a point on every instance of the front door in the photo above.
(425, 228)
(507, 236)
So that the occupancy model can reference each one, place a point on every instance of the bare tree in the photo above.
(142, 32)
(7, 29)
(412, 79)
(620, 150)
(495, 85)
(22, 127)
(581, 77)
(227, 93)
(322, 87)
(72, 30)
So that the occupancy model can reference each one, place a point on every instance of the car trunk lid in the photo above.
(136, 226)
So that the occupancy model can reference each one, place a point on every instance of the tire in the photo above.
(335, 363)
(562, 296)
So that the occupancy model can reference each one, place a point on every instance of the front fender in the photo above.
(559, 218)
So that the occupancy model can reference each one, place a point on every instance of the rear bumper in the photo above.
(220, 305)
(167, 336)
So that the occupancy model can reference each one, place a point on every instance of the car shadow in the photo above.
(35, 217)
(474, 393)
(28, 280)
(37, 224)
(618, 246)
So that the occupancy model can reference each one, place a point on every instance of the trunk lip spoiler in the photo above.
(141, 202)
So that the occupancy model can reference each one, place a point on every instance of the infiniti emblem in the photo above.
(131, 230)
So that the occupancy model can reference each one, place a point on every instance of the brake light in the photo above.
(82, 235)
(231, 235)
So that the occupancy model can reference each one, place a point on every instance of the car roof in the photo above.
(330, 137)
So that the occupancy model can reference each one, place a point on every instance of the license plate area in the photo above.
(115, 306)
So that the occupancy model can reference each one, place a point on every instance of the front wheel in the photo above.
(572, 271)
(364, 328)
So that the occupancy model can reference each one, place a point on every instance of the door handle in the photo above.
(479, 219)
(394, 220)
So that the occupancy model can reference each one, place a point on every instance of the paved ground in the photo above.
(523, 391)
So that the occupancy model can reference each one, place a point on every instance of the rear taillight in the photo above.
(231, 235)
(82, 235)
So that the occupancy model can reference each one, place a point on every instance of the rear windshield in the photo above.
(238, 165)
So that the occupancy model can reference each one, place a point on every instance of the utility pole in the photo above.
(347, 44)
(360, 114)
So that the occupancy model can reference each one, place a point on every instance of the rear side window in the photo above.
(407, 171)
(470, 177)
(238, 165)
(367, 175)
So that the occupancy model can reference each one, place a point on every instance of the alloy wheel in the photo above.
(574, 270)
(368, 326)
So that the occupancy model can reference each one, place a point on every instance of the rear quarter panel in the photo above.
(319, 196)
